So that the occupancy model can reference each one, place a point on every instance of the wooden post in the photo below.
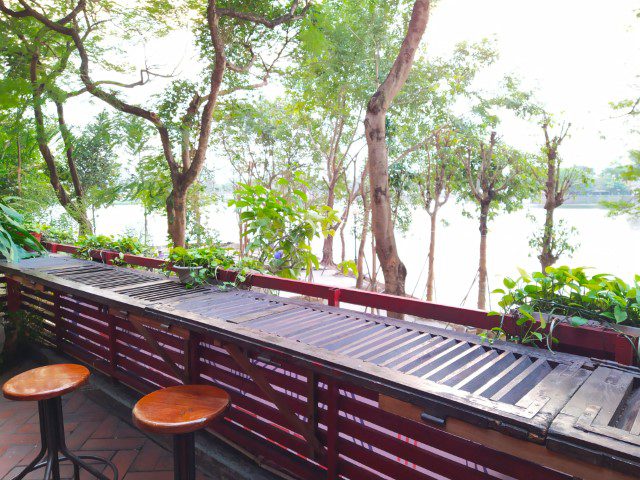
(333, 297)
(57, 316)
(113, 344)
(624, 349)
(192, 358)
(332, 429)
(312, 407)
(13, 295)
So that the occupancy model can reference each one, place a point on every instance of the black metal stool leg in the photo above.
(184, 457)
(43, 446)
(53, 443)
(77, 459)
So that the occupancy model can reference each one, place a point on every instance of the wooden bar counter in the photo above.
(326, 392)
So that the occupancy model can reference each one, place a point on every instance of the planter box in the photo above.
(105, 256)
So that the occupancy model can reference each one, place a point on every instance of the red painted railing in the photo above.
(592, 341)
(356, 437)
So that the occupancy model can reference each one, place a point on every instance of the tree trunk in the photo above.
(327, 246)
(343, 244)
(327, 252)
(146, 226)
(482, 265)
(432, 253)
(547, 258)
(381, 216)
(363, 241)
(177, 217)
(19, 172)
(76, 209)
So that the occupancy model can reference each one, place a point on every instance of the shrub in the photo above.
(572, 293)
(280, 229)
(125, 244)
(16, 242)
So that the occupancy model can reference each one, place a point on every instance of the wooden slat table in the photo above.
(441, 380)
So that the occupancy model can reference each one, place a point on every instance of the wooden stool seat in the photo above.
(46, 385)
(180, 409)
(46, 382)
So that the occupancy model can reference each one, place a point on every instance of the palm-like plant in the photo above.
(16, 242)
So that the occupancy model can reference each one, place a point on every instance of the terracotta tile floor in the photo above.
(90, 428)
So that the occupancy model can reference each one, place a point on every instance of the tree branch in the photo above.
(291, 15)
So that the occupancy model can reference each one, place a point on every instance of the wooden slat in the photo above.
(448, 366)
(243, 361)
(420, 355)
(503, 376)
(412, 352)
(440, 357)
(473, 376)
(391, 335)
(524, 382)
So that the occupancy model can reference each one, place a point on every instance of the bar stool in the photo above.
(181, 411)
(46, 385)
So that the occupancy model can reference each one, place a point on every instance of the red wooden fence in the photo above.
(357, 439)
(591, 341)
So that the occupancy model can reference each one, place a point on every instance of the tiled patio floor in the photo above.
(90, 428)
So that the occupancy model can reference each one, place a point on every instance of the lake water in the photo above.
(607, 244)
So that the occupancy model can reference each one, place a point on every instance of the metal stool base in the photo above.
(53, 446)
(184, 457)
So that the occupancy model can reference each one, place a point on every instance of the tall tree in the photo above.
(97, 164)
(393, 269)
(629, 173)
(343, 46)
(34, 60)
(235, 39)
(426, 146)
(438, 178)
(498, 178)
(557, 184)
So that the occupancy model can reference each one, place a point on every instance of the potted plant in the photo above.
(187, 264)
(16, 243)
(198, 265)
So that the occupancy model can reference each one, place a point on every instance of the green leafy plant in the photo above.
(204, 263)
(569, 295)
(532, 325)
(280, 228)
(89, 244)
(16, 242)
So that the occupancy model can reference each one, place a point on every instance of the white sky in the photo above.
(577, 55)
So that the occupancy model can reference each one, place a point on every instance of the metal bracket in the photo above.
(439, 421)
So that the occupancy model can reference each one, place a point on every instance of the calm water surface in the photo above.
(606, 244)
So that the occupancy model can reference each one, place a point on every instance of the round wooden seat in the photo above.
(181, 409)
(46, 382)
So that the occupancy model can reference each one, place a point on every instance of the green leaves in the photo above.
(125, 244)
(578, 321)
(571, 292)
(280, 226)
(619, 314)
(16, 242)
